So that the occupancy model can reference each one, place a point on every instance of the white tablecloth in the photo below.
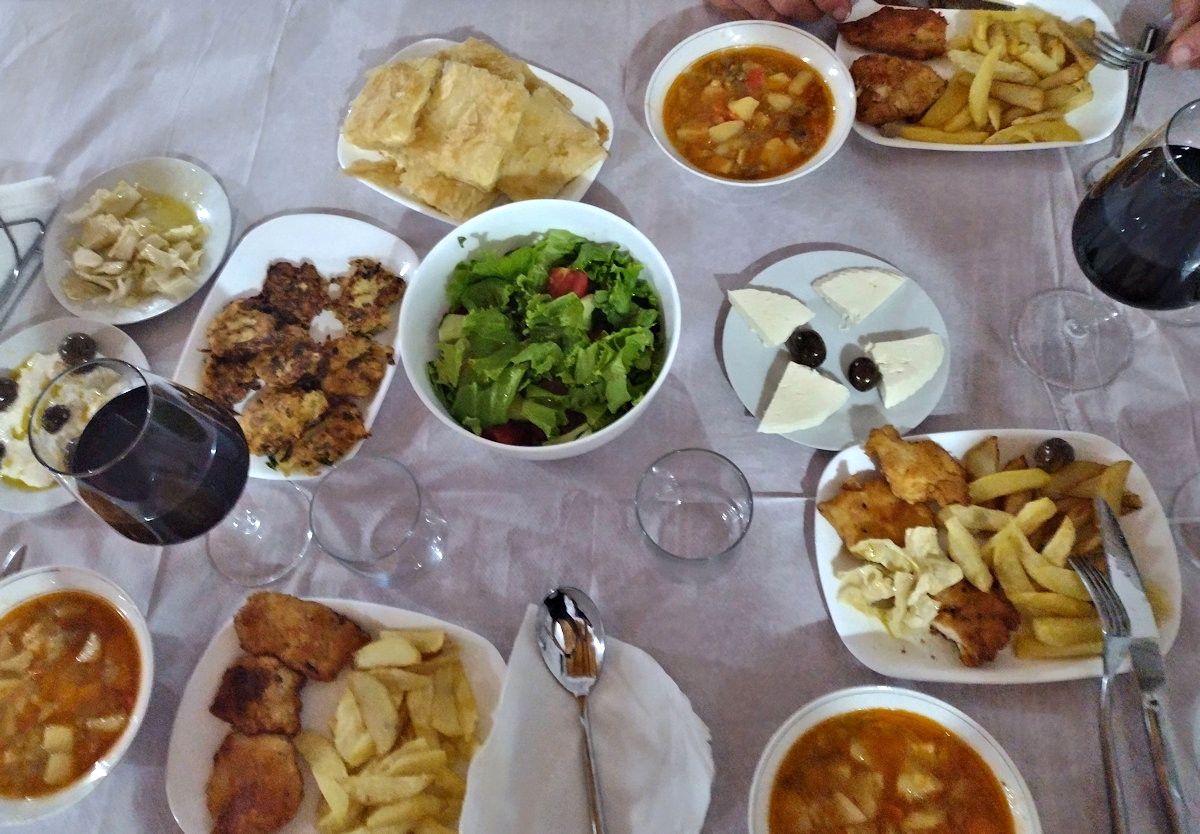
(255, 91)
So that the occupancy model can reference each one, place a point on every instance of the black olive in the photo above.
(806, 347)
(1053, 454)
(8, 392)
(3, 451)
(863, 373)
(55, 417)
(77, 348)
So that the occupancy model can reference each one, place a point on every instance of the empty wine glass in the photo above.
(1136, 236)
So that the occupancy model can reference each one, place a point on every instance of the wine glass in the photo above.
(1136, 236)
(157, 462)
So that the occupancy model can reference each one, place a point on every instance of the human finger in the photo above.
(743, 9)
(1184, 51)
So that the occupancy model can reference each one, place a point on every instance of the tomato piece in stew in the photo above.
(748, 113)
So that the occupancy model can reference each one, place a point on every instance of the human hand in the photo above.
(1183, 40)
(804, 10)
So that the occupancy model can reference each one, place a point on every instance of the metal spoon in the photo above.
(12, 560)
(571, 638)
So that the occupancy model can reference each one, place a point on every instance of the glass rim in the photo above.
(328, 478)
(115, 458)
(1191, 108)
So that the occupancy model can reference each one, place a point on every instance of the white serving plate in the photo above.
(329, 241)
(1020, 800)
(44, 338)
(936, 659)
(197, 733)
(1094, 121)
(177, 178)
(590, 109)
(754, 369)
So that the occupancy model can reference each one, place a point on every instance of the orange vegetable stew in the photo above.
(748, 113)
(885, 771)
(69, 677)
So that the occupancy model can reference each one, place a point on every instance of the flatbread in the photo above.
(551, 148)
(468, 124)
(384, 115)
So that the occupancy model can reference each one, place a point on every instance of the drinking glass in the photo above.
(157, 462)
(1136, 236)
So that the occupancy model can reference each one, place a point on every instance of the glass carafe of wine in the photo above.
(1136, 236)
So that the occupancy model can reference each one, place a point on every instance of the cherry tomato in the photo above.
(515, 433)
(563, 280)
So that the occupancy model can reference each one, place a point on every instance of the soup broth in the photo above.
(748, 113)
(877, 771)
(69, 677)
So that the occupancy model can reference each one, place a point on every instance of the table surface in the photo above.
(255, 91)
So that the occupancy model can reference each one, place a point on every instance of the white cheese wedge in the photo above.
(905, 365)
(803, 399)
(771, 315)
(856, 292)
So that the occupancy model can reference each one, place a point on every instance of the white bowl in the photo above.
(501, 229)
(1020, 801)
(27, 585)
(178, 178)
(743, 33)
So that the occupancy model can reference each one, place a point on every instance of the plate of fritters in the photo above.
(299, 335)
(277, 675)
(450, 129)
(900, 60)
(1002, 631)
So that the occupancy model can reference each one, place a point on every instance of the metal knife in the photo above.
(972, 5)
(1147, 662)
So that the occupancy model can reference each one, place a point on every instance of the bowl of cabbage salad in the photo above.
(540, 329)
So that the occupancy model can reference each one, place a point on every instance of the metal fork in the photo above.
(1114, 625)
(1152, 36)
(1111, 51)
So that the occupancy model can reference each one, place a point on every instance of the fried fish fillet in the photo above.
(259, 694)
(890, 88)
(979, 622)
(256, 785)
(870, 510)
(918, 470)
(908, 33)
(307, 636)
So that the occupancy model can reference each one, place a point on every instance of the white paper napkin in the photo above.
(20, 200)
(653, 753)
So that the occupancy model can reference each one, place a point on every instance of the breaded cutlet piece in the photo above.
(979, 622)
(259, 694)
(255, 786)
(889, 88)
(908, 33)
(870, 510)
(307, 636)
(917, 470)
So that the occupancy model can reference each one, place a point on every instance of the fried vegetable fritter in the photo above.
(356, 366)
(367, 291)
(295, 292)
(240, 329)
(227, 381)
(326, 442)
(293, 357)
(275, 417)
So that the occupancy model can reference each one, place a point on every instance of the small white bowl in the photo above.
(743, 33)
(178, 178)
(1020, 801)
(499, 230)
(35, 582)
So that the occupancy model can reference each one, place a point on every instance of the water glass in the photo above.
(694, 505)
(371, 515)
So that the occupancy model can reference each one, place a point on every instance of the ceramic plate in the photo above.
(173, 177)
(1020, 800)
(329, 241)
(44, 338)
(197, 734)
(1095, 120)
(936, 658)
(754, 369)
(584, 104)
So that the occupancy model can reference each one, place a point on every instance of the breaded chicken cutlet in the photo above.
(256, 785)
(908, 33)
(979, 622)
(329, 438)
(368, 290)
(870, 510)
(259, 694)
(307, 636)
(276, 417)
(889, 88)
(917, 470)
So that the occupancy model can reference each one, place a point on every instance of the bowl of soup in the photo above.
(750, 103)
(881, 759)
(76, 667)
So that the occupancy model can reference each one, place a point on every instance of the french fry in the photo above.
(1058, 549)
(963, 548)
(328, 769)
(392, 651)
(1063, 77)
(1005, 482)
(972, 62)
(1048, 603)
(1076, 472)
(1066, 631)
(1034, 514)
(917, 133)
(983, 458)
(1112, 483)
(1005, 548)
(981, 85)
(1028, 647)
(1055, 131)
(952, 99)
(1051, 577)
(1022, 95)
(378, 711)
(1069, 97)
